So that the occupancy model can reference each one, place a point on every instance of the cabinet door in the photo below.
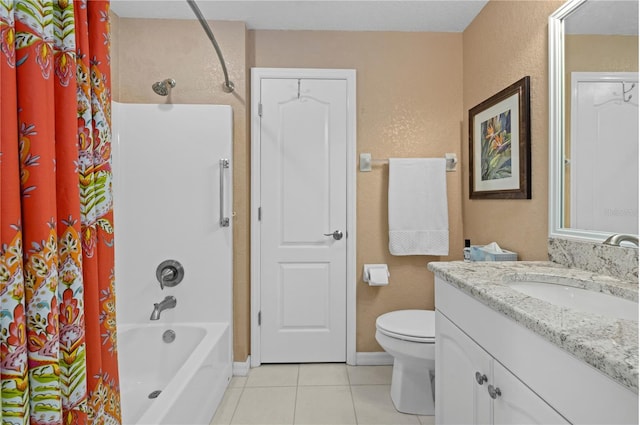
(517, 403)
(460, 399)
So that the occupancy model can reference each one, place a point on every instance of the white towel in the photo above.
(418, 214)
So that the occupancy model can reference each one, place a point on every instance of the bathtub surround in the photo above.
(617, 261)
(173, 211)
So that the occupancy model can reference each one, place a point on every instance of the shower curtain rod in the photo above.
(228, 85)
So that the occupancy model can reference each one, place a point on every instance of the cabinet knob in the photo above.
(480, 378)
(494, 392)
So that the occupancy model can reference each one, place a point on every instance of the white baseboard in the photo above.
(378, 358)
(242, 368)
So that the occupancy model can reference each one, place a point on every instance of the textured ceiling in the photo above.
(349, 15)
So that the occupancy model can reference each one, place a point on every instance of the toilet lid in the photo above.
(412, 325)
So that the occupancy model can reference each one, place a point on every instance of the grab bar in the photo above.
(224, 221)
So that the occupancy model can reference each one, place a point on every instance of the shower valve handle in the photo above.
(169, 273)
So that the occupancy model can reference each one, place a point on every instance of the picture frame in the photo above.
(500, 145)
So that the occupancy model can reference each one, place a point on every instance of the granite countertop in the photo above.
(608, 344)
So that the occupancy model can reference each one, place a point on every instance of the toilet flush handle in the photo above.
(480, 378)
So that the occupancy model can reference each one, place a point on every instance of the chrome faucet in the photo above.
(167, 303)
(616, 239)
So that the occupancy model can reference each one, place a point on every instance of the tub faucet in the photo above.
(167, 303)
(617, 238)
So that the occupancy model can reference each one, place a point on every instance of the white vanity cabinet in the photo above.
(459, 398)
(538, 382)
(476, 389)
(517, 404)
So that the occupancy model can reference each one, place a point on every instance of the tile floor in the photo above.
(329, 394)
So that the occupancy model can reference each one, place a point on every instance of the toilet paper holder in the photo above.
(380, 270)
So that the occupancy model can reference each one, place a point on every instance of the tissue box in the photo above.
(479, 253)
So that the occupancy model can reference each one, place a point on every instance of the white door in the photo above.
(303, 211)
(604, 152)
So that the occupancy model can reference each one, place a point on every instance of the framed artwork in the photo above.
(500, 145)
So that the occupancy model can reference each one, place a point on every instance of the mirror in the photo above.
(593, 119)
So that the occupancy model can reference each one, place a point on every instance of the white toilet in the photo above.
(409, 336)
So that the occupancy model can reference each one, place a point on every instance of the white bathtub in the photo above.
(192, 372)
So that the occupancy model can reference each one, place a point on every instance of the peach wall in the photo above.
(409, 100)
(601, 53)
(159, 48)
(507, 41)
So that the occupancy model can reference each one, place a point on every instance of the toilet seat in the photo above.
(408, 325)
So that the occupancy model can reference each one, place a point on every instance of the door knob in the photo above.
(337, 235)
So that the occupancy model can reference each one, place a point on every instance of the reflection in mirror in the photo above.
(593, 48)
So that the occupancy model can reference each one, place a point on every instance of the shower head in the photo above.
(162, 87)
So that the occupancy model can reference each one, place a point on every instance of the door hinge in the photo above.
(259, 109)
(259, 213)
(259, 318)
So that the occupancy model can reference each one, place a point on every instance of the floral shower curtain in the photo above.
(58, 358)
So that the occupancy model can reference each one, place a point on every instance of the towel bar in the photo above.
(366, 161)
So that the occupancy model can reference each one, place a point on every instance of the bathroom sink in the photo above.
(578, 299)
